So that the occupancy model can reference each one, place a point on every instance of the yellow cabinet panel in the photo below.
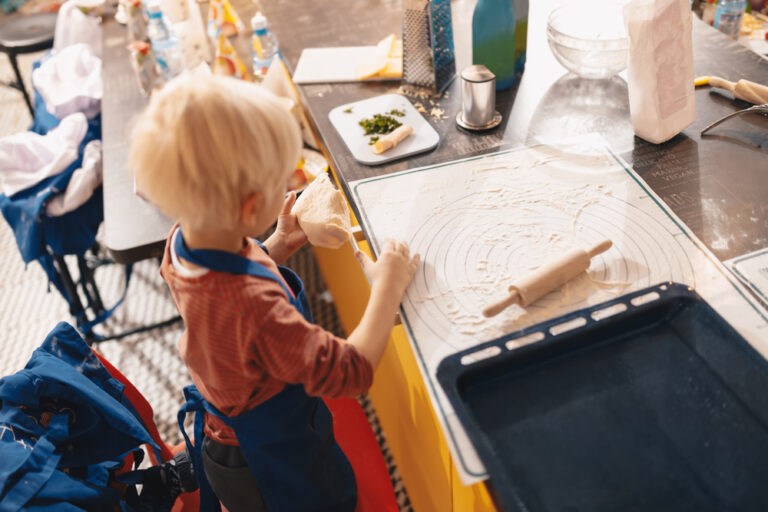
(411, 427)
(346, 281)
(401, 400)
(398, 393)
(473, 498)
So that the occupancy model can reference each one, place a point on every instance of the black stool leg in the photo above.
(89, 286)
(75, 306)
(20, 82)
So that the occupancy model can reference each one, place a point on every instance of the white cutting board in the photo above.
(346, 122)
(336, 64)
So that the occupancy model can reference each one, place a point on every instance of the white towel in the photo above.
(73, 27)
(70, 81)
(28, 158)
(82, 183)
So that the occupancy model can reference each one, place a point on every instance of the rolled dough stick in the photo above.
(546, 278)
(392, 139)
(323, 214)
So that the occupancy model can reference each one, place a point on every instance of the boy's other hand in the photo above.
(288, 236)
(393, 270)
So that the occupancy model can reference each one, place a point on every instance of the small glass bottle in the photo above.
(728, 17)
(264, 47)
(143, 62)
(136, 20)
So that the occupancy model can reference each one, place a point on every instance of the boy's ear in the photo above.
(251, 208)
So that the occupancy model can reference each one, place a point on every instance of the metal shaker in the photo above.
(478, 103)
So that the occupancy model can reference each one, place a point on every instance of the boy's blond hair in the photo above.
(204, 144)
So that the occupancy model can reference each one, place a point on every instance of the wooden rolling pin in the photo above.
(547, 277)
(743, 89)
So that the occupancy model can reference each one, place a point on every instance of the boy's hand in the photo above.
(288, 236)
(394, 269)
(389, 276)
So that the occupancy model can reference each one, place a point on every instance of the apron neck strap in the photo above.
(223, 261)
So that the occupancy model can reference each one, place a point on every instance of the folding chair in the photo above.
(47, 239)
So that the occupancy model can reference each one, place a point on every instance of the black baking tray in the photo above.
(661, 406)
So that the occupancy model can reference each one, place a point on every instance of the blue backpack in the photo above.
(66, 429)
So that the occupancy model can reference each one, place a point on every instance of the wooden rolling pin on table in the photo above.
(743, 89)
(546, 278)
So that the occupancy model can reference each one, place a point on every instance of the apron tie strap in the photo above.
(195, 404)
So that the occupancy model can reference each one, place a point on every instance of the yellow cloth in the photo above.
(222, 19)
(227, 63)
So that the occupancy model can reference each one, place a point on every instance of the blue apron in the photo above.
(287, 440)
(64, 427)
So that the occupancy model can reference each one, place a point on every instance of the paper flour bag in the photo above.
(661, 90)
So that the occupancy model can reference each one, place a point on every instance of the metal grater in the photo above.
(428, 59)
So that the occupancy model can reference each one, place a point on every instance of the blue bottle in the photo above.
(493, 39)
(728, 16)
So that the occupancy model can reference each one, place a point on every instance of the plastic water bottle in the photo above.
(728, 17)
(165, 45)
(264, 47)
(493, 39)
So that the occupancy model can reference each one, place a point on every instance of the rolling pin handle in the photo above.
(746, 90)
(599, 248)
(497, 307)
(716, 81)
(750, 91)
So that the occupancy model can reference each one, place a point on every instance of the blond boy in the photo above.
(215, 154)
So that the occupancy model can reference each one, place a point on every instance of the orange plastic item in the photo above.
(357, 441)
(189, 502)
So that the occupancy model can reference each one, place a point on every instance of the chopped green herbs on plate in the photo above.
(379, 124)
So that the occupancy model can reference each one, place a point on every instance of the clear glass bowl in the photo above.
(589, 38)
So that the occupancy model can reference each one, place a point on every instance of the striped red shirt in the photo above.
(243, 341)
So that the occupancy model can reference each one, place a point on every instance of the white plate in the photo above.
(346, 122)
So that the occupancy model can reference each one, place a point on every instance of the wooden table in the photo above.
(716, 184)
